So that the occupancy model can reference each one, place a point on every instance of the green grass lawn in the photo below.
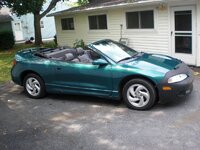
(7, 56)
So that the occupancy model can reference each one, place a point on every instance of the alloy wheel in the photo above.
(33, 86)
(138, 95)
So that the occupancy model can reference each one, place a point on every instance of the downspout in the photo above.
(121, 28)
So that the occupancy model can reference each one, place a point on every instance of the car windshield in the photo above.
(114, 50)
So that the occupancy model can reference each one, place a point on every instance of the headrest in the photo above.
(69, 56)
(79, 51)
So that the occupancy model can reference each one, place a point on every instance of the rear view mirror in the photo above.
(100, 62)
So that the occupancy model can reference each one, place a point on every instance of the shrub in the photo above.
(7, 40)
(55, 40)
(79, 43)
(50, 44)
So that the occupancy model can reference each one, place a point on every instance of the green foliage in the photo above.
(82, 2)
(50, 44)
(22, 7)
(79, 43)
(7, 39)
(6, 58)
(55, 40)
(78, 3)
(1, 4)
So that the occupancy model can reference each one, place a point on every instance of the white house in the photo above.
(5, 20)
(170, 27)
(23, 26)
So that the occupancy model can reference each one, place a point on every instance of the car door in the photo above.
(66, 76)
(95, 79)
(83, 78)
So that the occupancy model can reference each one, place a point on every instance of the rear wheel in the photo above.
(139, 94)
(34, 86)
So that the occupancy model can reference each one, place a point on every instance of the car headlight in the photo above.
(177, 78)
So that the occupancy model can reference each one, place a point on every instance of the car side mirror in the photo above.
(100, 62)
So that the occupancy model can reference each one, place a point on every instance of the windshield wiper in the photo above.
(124, 59)
(127, 58)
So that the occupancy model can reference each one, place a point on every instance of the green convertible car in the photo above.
(106, 69)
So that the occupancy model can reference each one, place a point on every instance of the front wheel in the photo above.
(34, 86)
(139, 94)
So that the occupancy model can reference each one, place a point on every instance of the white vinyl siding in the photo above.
(198, 33)
(154, 40)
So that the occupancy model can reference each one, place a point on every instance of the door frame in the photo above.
(21, 30)
(194, 35)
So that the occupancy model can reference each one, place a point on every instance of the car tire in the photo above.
(139, 94)
(34, 86)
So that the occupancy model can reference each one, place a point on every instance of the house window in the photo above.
(97, 22)
(41, 24)
(67, 24)
(140, 20)
(17, 26)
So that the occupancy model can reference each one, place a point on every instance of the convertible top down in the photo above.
(106, 69)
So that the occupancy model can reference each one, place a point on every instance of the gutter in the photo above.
(122, 5)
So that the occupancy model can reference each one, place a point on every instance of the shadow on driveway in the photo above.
(82, 122)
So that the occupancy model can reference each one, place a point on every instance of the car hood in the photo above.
(155, 62)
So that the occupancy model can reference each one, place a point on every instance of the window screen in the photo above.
(67, 24)
(97, 22)
(140, 20)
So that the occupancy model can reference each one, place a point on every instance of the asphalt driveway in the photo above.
(60, 122)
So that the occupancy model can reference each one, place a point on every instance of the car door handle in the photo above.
(58, 68)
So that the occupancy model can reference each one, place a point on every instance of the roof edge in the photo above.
(104, 7)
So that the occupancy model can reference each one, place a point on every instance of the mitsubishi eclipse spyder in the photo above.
(105, 69)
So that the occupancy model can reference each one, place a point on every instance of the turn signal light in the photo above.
(166, 88)
(14, 62)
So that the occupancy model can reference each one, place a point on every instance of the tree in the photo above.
(1, 4)
(80, 3)
(22, 7)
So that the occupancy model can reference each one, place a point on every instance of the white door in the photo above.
(183, 25)
(17, 26)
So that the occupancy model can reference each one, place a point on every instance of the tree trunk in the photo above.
(38, 35)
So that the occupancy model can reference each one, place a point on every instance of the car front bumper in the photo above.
(179, 89)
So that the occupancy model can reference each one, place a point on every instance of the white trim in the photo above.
(188, 58)
(97, 30)
(19, 35)
(169, 30)
(198, 33)
(179, 3)
(66, 17)
(140, 29)
(115, 6)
